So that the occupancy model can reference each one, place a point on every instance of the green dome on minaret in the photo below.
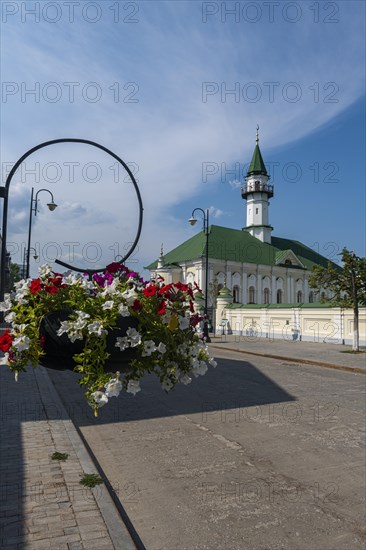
(257, 166)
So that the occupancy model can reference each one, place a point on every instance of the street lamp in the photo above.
(33, 208)
(35, 256)
(192, 220)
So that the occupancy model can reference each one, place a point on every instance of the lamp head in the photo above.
(192, 220)
(35, 257)
(52, 206)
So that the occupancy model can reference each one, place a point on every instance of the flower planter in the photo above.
(59, 350)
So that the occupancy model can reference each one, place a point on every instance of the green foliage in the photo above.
(91, 480)
(347, 284)
(59, 456)
(14, 276)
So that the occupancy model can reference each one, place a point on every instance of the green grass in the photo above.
(90, 480)
(59, 456)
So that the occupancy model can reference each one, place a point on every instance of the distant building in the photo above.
(252, 264)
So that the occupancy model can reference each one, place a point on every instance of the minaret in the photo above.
(256, 191)
(161, 259)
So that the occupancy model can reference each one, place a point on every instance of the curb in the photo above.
(295, 360)
(116, 524)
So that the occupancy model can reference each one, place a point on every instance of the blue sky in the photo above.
(176, 89)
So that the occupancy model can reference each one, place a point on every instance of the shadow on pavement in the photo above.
(233, 384)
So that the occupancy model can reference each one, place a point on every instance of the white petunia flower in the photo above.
(108, 305)
(23, 285)
(183, 323)
(6, 304)
(113, 388)
(75, 336)
(161, 348)
(5, 360)
(182, 349)
(96, 328)
(149, 348)
(133, 336)
(213, 363)
(122, 343)
(200, 370)
(9, 318)
(123, 310)
(19, 329)
(130, 296)
(21, 343)
(64, 327)
(186, 379)
(167, 385)
(133, 387)
(100, 398)
(70, 279)
(83, 315)
(44, 270)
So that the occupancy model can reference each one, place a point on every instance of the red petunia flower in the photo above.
(137, 305)
(51, 289)
(57, 281)
(181, 286)
(150, 290)
(35, 286)
(6, 341)
(114, 267)
(42, 341)
(162, 308)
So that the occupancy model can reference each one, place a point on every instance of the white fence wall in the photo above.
(330, 325)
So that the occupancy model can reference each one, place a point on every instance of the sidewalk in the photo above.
(42, 503)
(310, 353)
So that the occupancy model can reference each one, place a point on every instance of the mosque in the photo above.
(255, 267)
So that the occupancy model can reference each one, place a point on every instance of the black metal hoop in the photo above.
(6, 194)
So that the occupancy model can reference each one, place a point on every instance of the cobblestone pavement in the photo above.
(42, 503)
(258, 454)
(322, 354)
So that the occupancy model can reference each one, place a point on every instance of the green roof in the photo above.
(257, 165)
(240, 246)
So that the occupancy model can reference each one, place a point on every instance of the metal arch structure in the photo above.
(4, 193)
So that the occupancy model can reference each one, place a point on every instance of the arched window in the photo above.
(288, 262)
(279, 296)
(311, 297)
(266, 296)
(251, 295)
(236, 294)
(299, 297)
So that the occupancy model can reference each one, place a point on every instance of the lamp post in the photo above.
(192, 220)
(24, 266)
(33, 208)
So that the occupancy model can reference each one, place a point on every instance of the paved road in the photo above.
(259, 454)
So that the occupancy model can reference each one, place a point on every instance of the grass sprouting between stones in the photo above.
(90, 480)
(60, 456)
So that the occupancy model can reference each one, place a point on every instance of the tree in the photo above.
(348, 285)
(13, 277)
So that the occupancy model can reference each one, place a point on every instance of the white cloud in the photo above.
(171, 131)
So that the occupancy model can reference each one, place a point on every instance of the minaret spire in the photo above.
(161, 258)
(257, 192)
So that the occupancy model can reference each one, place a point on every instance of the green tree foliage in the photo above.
(347, 284)
(13, 277)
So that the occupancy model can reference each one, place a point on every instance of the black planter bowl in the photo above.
(59, 350)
